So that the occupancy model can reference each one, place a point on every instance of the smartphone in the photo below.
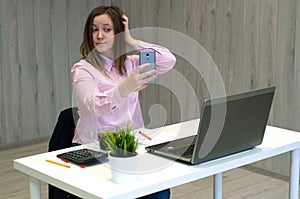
(148, 56)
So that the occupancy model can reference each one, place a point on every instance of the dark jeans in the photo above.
(164, 194)
(60, 194)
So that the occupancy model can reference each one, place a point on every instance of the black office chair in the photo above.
(62, 138)
(64, 129)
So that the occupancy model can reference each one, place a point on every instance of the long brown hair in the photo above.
(87, 48)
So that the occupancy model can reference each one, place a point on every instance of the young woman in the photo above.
(106, 80)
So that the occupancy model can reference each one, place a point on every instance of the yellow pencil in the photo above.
(145, 135)
(57, 163)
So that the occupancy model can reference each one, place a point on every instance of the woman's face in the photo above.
(103, 32)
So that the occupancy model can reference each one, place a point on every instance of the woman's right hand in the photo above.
(136, 81)
(127, 36)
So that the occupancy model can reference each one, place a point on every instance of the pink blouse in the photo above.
(100, 106)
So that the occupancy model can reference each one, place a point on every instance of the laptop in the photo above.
(227, 125)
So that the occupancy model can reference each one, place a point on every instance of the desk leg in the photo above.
(35, 188)
(218, 186)
(294, 174)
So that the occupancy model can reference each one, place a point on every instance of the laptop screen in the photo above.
(243, 126)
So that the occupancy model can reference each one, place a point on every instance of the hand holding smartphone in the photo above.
(148, 56)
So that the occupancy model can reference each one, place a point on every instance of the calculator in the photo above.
(82, 156)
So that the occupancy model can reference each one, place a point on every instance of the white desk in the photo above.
(94, 181)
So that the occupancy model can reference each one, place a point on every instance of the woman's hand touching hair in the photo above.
(127, 36)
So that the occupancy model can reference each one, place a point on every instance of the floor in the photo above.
(239, 183)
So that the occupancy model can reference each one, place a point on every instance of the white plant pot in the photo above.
(123, 169)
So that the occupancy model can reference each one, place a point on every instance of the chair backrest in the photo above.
(63, 132)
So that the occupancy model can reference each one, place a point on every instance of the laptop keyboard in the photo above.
(185, 151)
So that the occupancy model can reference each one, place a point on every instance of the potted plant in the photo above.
(122, 145)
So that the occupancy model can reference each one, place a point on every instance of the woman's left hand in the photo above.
(127, 36)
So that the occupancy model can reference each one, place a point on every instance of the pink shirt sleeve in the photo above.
(86, 86)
